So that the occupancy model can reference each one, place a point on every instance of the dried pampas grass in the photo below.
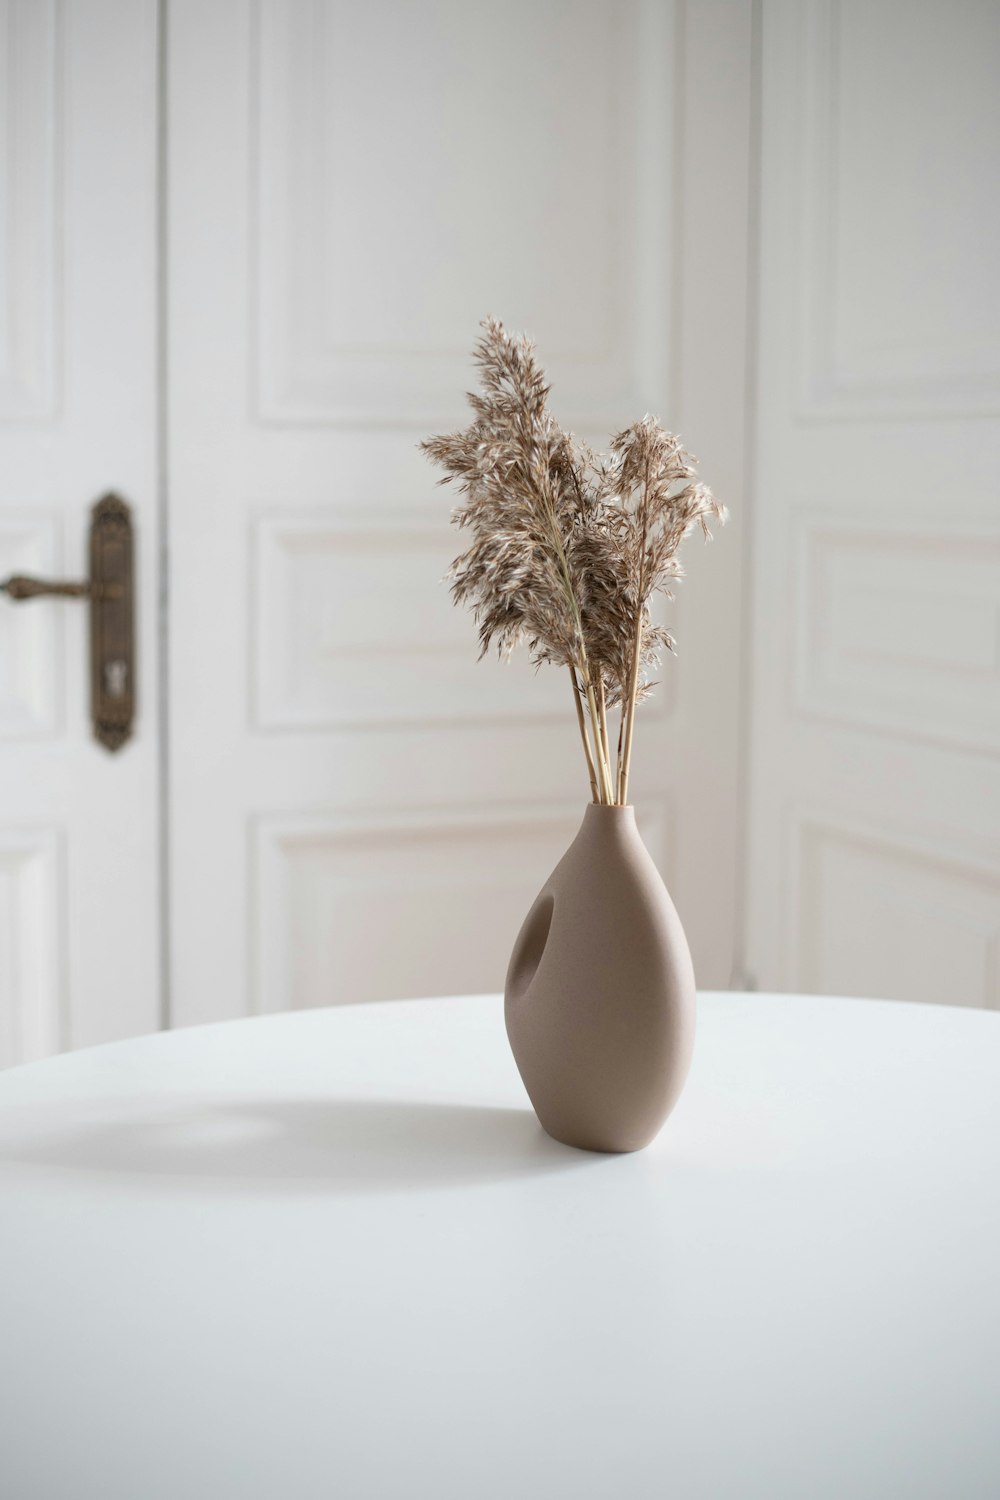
(568, 547)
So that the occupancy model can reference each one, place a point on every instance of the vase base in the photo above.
(596, 1144)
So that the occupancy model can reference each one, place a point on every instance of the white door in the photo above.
(79, 867)
(874, 861)
(358, 808)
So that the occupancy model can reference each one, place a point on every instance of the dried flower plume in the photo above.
(568, 547)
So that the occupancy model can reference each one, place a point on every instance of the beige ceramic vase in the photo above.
(600, 995)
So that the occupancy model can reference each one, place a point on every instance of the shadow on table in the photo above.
(353, 1146)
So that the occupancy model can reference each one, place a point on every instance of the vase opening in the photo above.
(530, 947)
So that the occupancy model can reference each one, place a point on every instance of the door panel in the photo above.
(874, 862)
(359, 808)
(79, 920)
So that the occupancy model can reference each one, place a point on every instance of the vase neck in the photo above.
(597, 813)
(607, 827)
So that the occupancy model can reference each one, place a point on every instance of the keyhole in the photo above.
(115, 674)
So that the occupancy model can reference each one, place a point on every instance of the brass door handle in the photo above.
(109, 590)
(23, 586)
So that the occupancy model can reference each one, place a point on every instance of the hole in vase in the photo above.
(530, 947)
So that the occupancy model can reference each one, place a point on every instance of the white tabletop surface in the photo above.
(332, 1254)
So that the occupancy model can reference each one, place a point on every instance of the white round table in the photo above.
(331, 1254)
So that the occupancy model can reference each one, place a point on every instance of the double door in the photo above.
(247, 249)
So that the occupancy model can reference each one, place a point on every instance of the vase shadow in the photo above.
(339, 1145)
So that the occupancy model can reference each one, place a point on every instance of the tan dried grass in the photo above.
(568, 547)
